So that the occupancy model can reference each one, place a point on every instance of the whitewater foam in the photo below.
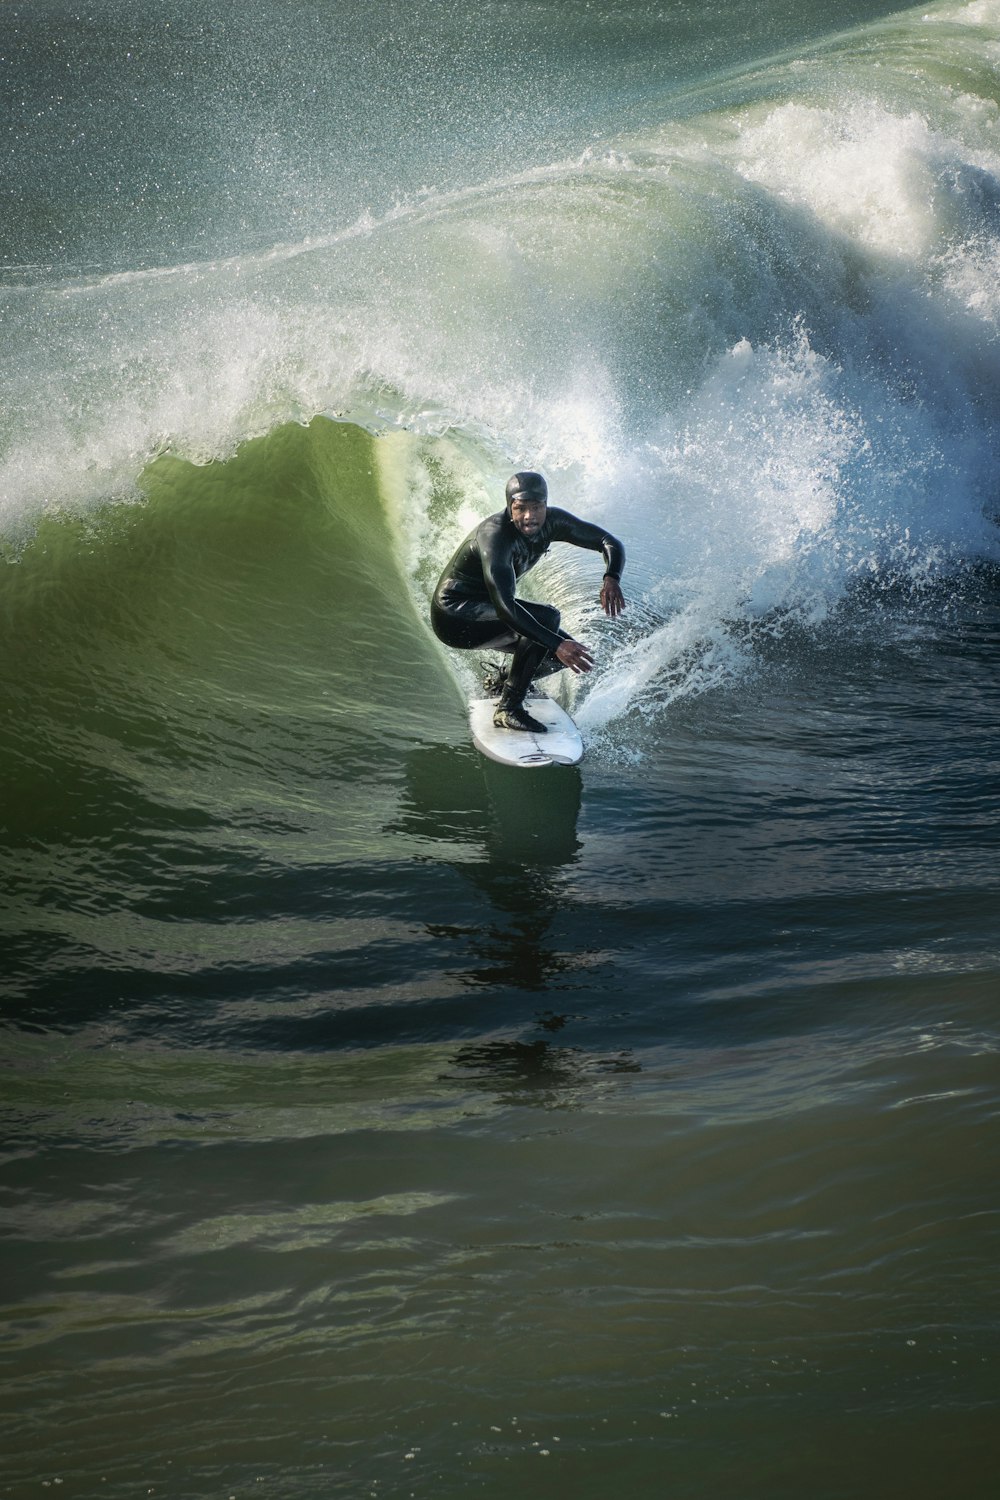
(759, 343)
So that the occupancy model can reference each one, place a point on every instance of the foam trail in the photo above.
(784, 483)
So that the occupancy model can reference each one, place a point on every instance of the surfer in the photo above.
(474, 605)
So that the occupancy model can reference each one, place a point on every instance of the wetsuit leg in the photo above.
(475, 625)
(531, 660)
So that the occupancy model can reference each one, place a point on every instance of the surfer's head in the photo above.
(527, 499)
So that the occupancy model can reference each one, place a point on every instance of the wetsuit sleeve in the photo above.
(501, 582)
(567, 528)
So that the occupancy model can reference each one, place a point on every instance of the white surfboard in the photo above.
(560, 745)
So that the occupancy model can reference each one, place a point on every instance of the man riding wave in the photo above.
(475, 607)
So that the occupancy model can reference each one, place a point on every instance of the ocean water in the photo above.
(379, 1121)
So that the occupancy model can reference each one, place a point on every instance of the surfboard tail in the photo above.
(561, 744)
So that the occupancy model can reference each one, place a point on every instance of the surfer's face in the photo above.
(528, 516)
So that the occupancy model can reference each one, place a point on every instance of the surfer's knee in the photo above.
(545, 614)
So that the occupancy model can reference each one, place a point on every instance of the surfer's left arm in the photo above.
(579, 533)
(612, 598)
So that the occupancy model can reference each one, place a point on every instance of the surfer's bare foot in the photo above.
(516, 716)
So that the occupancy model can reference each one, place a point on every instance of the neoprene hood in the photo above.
(526, 485)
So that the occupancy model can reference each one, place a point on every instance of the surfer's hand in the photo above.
(574, 656)
(612, 598)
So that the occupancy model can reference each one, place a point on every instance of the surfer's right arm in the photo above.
(501, 583)
(575, 655)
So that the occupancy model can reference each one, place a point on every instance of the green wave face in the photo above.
(230, 652)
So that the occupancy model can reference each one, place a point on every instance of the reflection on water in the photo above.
(537, 1072)
(522, 826)
(513, 816)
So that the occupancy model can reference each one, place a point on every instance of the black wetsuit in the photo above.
(475, 607)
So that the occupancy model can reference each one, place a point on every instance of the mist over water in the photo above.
(147, 134)
(379, 1121)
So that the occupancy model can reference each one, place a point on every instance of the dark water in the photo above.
(380, 1121)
